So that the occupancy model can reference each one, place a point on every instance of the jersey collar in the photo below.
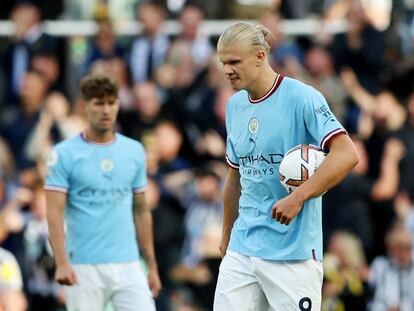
(269, 93)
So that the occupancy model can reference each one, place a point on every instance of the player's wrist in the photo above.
(151, 262)
(62, 262)
(299, 195)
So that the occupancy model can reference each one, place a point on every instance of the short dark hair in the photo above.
(98, 86)
(205, 171)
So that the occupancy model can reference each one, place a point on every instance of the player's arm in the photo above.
(143, 221)
(56, 202)
(341, 159)
(232, 190)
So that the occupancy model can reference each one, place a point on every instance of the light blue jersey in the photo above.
(259, 133)
(99, 180)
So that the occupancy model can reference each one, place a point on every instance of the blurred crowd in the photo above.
(173, 96)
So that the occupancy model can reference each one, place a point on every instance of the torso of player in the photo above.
(259, 134)
(100, 181)
(102, 176)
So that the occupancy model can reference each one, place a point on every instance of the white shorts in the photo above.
(124, 284)
(253, 284)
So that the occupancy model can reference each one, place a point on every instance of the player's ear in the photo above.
(260, 56)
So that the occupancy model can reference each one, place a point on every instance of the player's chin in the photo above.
(106, 127)
(236, 86)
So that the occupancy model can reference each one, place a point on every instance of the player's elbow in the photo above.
(354, 159)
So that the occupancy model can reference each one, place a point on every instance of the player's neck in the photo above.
(262, 85)
(101, 137)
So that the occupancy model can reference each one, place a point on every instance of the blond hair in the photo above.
(253, 35)
(352, 246)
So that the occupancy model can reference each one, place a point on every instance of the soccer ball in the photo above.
(298, 164)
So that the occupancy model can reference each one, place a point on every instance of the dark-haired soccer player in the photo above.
(97, 179)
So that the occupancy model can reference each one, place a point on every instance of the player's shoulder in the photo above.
(69, 144)
(128, 142)
(300, 92)
(298, 87)
(240, 97)
(65, 150)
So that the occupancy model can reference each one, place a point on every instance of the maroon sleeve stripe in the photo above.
(330, 135)
(55, 188)
(140, 190)
(231, 164)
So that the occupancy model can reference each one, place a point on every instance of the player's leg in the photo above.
(130, 290)
(237, 287)
(89, 294)
(291, 285)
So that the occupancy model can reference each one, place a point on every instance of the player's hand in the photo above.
(65, 275)
(154, 281)
(286, 209)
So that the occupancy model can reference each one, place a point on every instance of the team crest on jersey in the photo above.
(107, 165)
(253, 125)
(52, 158)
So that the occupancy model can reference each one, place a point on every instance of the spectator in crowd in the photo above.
(122, 75)
(200, 195)
(7, 170)
(191, 96)
(12, 296)
(17, 125)
(104, 45)
(346, 274)
(28, 39)
(169, 142)
(11, 284)
(44, 293)
(347, 206)
(282, 48)
(53, 125)
(406, 135)
(361, 48)
(87, 10)
(404, 210)
(148, 51)
(147, 109)
(319, 71)
(191, 18)
(47, 63)
(392, 276)
(381, 112)
(168, 217)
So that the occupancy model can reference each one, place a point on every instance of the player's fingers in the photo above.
(278, 215)
(283, 220)
(63, 281)
(74, 278)
(156, 290)
(274, 209)
(276, 212)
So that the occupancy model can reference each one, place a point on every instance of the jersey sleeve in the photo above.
(140, 181)
(231, 157)
(319, 119)
(57, 176)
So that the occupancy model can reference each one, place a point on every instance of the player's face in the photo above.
(101, 113)
(240, 64)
